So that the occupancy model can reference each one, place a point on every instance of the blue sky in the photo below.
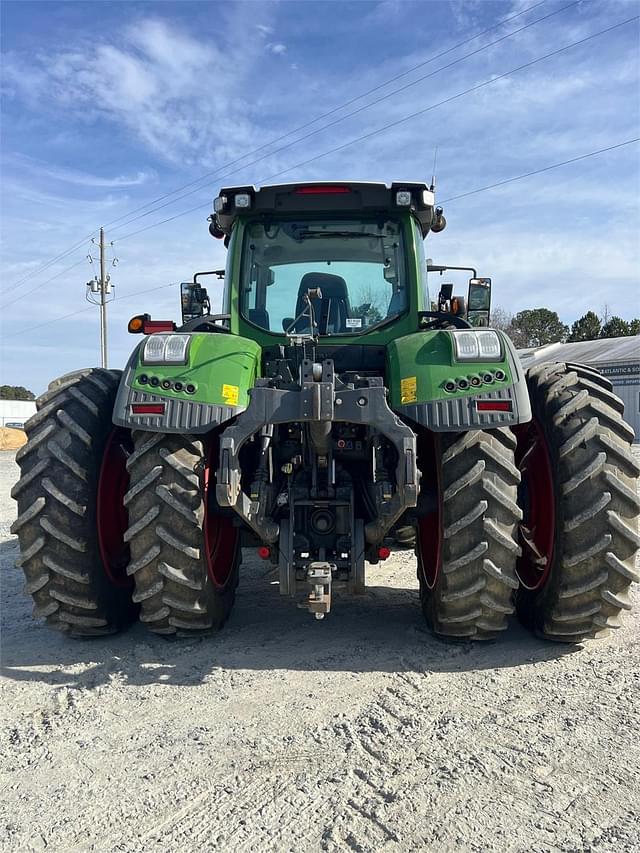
(107, 106)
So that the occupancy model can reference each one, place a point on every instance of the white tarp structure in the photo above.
(616, 358)
(16, 411)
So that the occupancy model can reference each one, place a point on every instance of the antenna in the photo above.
(433, 174)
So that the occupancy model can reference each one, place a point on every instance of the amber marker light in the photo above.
(136, 324)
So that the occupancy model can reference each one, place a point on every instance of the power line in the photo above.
(38, 286)
(65, 253)
(540, 171)
(48, 322)
(84, 310)
(399, 121)
(329, 113)
(352, 113)
(334, 110)
(448, 100)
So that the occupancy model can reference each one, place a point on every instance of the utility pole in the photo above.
(103, 302)
(98, 291)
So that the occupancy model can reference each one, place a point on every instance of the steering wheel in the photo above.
(445, 319)
(206, 323)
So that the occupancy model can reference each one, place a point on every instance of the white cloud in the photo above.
(79, 178)
(265, 30)
(179, 95)
(276, 47)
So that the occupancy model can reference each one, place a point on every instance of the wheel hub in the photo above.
(112, 518)
(537, 499)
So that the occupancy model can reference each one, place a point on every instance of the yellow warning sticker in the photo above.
(230, 394)
(408, 390)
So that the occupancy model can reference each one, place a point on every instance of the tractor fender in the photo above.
(421, 369)
(209, 389)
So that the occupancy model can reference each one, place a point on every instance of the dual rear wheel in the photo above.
(113, 525)
(543, 519)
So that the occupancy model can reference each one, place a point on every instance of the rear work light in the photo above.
(477, 346)
(403, 198)
(322, 190)
(166, 349)
(242, 200)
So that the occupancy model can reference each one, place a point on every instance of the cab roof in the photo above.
(322, 197)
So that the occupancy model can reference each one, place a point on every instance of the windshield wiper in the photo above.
(347, 235)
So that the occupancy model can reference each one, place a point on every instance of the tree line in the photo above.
(15, 392)
(535, 327)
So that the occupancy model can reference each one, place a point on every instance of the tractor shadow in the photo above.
(381, 631)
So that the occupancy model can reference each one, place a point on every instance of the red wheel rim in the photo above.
(537, 500)
(112, 518)
(429, 540)
(220, 536)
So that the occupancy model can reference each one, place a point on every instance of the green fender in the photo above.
(420, 366)
(220, 371)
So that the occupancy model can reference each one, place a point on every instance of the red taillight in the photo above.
(263, 552)
(384, 552)
(147, 408)
(320, 190)
(151, 326)
(494, 405)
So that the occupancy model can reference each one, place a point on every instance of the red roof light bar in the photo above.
(322, 190)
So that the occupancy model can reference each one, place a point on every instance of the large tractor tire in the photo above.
(71, 518)
(185, 555)
(466, 545)
(579, 535)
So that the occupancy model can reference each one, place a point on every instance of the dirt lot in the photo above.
(11, 439)
(358, 733)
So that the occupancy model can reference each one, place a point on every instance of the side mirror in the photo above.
(444, 297)
(479, 301)
(446, 292)
(194, 301)
(438, 223)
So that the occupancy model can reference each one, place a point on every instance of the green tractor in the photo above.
(329, 406)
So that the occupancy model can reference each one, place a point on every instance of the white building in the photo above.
(616, 358)
(16, 411)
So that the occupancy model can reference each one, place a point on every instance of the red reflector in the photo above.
(151, 326)
(147, 408)
(384, 552)
(494, 405)
(263, 552)
(322, 190)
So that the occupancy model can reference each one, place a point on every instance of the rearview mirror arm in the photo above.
(441, 269)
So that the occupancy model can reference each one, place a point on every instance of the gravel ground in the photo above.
(358, 733)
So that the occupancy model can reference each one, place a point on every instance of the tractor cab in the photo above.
(325, 260)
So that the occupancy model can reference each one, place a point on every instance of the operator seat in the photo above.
(260, 317)
(332, 310)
